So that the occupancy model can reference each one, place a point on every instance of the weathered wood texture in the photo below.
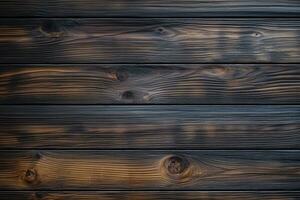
(181, 127)
(150, 52)
(150, 84)
(148, 195)
(156, 40)
(150, 8)
(139, 170)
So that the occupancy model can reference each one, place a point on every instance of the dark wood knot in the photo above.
(256, 34)
(176, 165)
(160, 30)
(39, 195)
(30, 176)
(121, 75)
(38, 156)
(51, 28)
(128, 95)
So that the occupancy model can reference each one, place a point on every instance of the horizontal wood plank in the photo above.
(149, 195)
(150, 84)
(153, 170)
(148, 127)
(152, 40)
(149, 8)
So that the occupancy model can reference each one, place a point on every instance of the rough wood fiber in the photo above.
(148, 127)
(139, 170)
(150, 84)
(150, 8)
(147, 195)
(156, 40)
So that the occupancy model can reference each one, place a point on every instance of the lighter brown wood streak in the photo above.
(202, 170)
(175, 84)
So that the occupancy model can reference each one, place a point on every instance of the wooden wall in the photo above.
(144, 100)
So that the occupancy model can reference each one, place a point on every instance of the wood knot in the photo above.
(122, 75)
(51, 28)
(128, 95)
(39, 195)
(38, 156)
(256, 34)
(178, 169)
(176, 165)
(161, 30)
(30, 176)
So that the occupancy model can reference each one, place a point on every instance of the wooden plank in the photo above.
(149, 195)
(151, 40)
(149, 8)
(150, 84)
(150, 170)
(150, 127)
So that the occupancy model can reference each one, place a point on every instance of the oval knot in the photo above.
(30, 175)
(51, 28)
(176, 165)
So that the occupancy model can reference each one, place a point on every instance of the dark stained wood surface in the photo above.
(149, 8)
(150, 84)
(150, 40)
(149, 195)
(67, 62)
(148, 127)
(140, 170)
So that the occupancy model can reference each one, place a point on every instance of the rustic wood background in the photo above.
(150, 99)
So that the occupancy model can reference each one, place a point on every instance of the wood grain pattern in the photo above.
(152, 40)
(139, 170)
(148, 195)
(148, 127)
(149, 84)
(149, 8)
(64, 63)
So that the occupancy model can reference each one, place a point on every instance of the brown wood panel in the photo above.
(149, 195)
(148, 127)
(139, 170)
(150, 84)
(149, 8)
(151, 40)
